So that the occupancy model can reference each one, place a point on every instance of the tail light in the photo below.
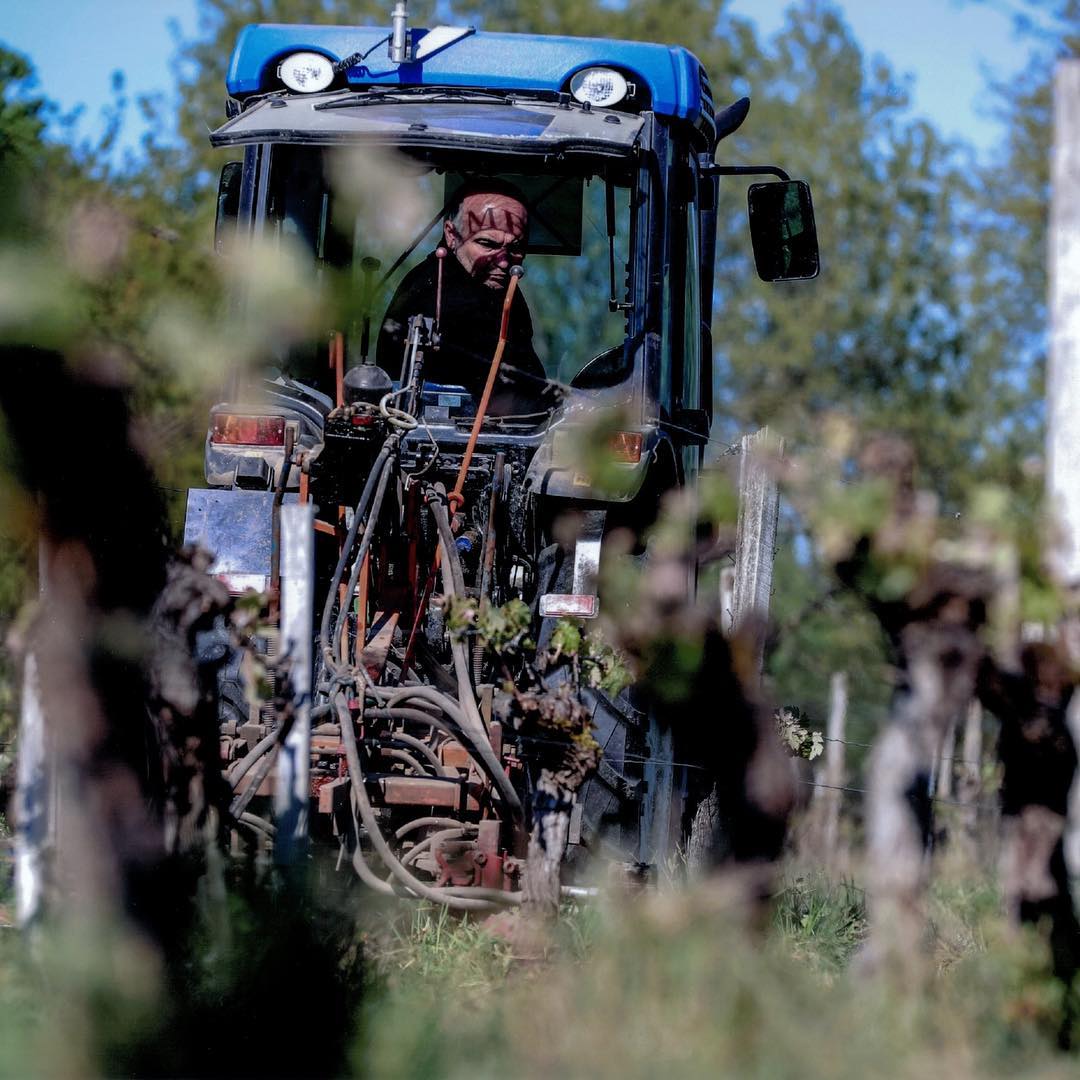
(235, 429)
(626, 446)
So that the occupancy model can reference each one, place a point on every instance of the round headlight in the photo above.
(306, 72)
(599, 86)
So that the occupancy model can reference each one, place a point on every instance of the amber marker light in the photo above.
(626, 446)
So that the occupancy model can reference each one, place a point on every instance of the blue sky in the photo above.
(946, 45)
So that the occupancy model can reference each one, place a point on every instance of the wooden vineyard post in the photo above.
(297, 588)
(969, 786)
(743, 599)
(727, 601)
(755, 539)
(1063, 373)
(32, 800)
(943, 787)
(834, 768)
(1063, 378)
(35, 803)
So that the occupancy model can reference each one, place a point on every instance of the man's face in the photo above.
(488, 237)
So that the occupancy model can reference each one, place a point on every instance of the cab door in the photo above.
(687, 408)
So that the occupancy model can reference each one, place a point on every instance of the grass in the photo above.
(821, 921)
(671, 983)
(429, 944)
(675, 985)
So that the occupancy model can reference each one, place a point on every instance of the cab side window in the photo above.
(690, 395)
(682, 294)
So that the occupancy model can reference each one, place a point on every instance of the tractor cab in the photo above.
(352, 143)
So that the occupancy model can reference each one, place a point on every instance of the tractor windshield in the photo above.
(367, 220)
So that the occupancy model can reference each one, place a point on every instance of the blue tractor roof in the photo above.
(676, 82)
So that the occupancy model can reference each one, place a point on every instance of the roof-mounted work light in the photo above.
(599, 86)
(306, 72)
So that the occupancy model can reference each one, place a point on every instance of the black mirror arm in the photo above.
(707, 167)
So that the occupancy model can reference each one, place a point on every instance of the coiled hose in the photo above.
(367, 816)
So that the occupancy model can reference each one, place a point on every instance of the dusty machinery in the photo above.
(367, 500)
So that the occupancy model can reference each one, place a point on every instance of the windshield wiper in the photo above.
(376, 96)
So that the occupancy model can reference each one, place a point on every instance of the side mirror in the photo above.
(782, 230)
(228, 204)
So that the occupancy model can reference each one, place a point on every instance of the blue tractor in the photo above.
(422, 447)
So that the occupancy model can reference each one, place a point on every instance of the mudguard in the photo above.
(237, 527)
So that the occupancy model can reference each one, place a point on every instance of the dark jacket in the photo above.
(469, 333)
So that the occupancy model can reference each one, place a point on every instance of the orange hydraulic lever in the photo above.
(456, 497)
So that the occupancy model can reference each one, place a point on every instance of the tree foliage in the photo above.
(927, 320)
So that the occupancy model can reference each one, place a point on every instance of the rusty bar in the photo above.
(337, 362)
(455, 755)
(305, 483)
(376, 651)
(265, 788)
(421, 607)
(326, 794)
(486, 858)
(361, 606)
(424, 791)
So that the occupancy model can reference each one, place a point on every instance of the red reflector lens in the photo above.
(626, 446)
(569, 605)
(364, 419)
(232, 429)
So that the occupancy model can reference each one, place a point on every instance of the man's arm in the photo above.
(414, 296)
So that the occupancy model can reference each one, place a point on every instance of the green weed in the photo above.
(820, 920)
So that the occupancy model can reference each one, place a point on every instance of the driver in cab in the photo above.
(485, 235)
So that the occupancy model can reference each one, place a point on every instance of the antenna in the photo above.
(400, 39)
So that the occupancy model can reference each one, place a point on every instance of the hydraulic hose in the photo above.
(378, 841)
(424, 751)
(407, 759)
(240, 803)
(478, 741)
(433, 841)
(421, 823)
(350, 538)
(448, 727)
(499, 896)
(365, 873)
(371, 879)
(454, 586)
(241, 768)
(259, 824)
